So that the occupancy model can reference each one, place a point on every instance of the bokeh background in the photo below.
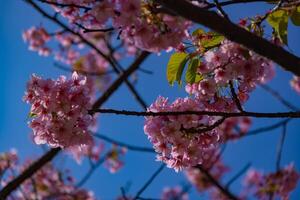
(18, 63)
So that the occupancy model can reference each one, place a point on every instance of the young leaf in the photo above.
(215, 40)
(175, 67)
(191, 71)
(295, 17)
(279, 21)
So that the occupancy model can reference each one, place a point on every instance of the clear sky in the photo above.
(17, 64)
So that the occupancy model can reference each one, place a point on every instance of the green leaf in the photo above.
(215, 40)
(31, 115)
(175, 67)
(279, 21)
(295, 17)
(198, 31)
(191, 71)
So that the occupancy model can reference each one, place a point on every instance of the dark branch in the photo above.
(276, 95)
(280, 146)
(134, 66)
(66, 5)
(239, 174)
(235, 97)
(90, 44)
(218, 185)
(92, 169)
(35, 166)
(267, 128)
(234, 33)
(128, 146)
(67, 69)
(209, 113)
(149, 182)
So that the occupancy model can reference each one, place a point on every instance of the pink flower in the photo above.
(279, 184)
(174, 193)
(295, 83)
(60, 111)
(37, 39)
(177, 139)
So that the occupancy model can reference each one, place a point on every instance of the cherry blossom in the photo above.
(179, 140)
(60, 111)
(37, 37)
(295, 83)
(230, 62)
(174, 193)
(278, 184)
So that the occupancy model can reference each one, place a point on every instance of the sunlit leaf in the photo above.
(191, 71)
(295, 17)
(279, 21)
(175, 67)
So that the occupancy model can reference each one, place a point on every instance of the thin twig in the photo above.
(128, 146)
(235, 97)
(267, 128)
(276, 95)
(240, 173)
(109, 59)
(280, 146)
(235, 33)
(216, 183)
(67, 69)
(191, 112)
(145, 186)
(220, 9)
(92, 169)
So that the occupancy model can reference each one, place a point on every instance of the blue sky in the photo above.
(17, 64)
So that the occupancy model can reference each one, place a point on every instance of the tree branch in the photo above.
(128, 146)
(149, 181)
(208, 113)
(222, 189)
(234, 33)
(35, 166)
(90, 44)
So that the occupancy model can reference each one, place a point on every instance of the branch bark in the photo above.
(234, 33)
(191, 112)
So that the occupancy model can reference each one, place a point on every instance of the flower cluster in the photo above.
(136, 21)
(147, 30)
(230, 63)
(113, 160)
(295, 83)
(214, 166)
(278, 184)
(8, 160)
(46, 183)
(181, 141)
(174, 193)
(60, 111)
(37, 37)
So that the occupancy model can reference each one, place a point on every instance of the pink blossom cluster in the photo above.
(295, 83)
(234, 128)
(93, 152)
(174, 193)
(231, 62)
(113, 160)
(60, 111)
(8, 160)
(180, 140)
(46, 183)
(278, 184)
(147, 30)
(50, 183)
(136, 21)
(37, 37)
(214, 166)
